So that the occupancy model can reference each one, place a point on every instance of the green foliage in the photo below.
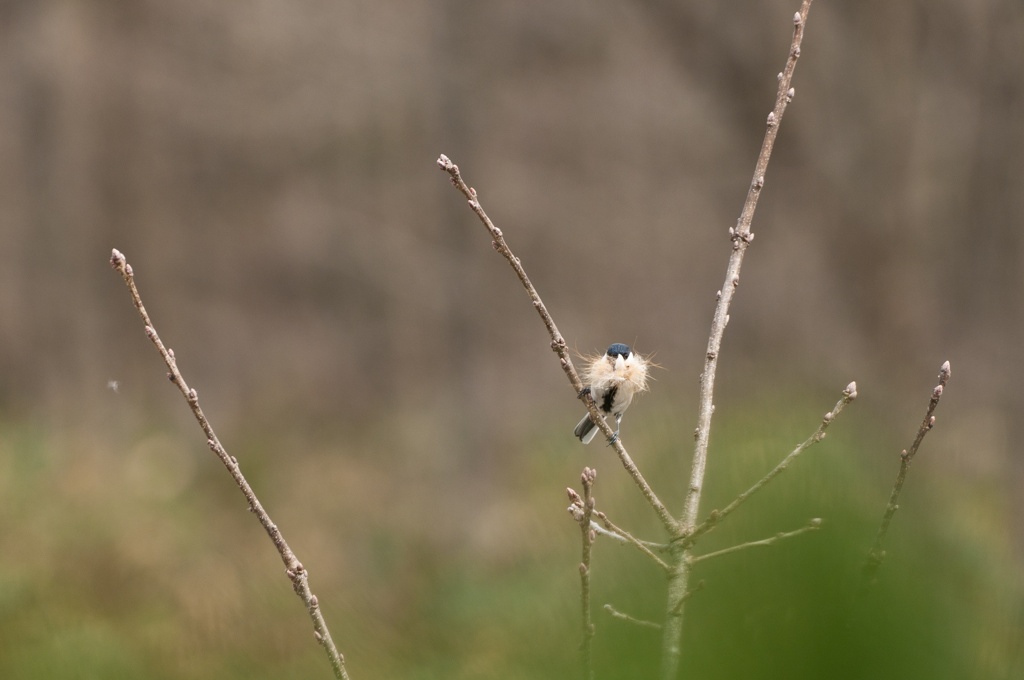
(441, 577)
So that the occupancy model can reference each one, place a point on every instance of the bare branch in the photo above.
(877, 555)
(716, 516)
(626, 537)
(626, 617)
(293, 568)
(813, 525)
(558, 343)
(582, 510)
(741, 236)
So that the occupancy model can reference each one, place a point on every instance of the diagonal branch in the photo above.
(620, 534)
(615, 613)
(877, 554)
(849, 394)
(813, 525)
(293, 568)
(558, 343)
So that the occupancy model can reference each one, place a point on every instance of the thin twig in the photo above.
(632, 540)
(877, 555)
(813, 525)
(741, 236)
(653, 545)
(716, 516)
(293, 568)
(626, 617)
(558, 343)
(582, 510)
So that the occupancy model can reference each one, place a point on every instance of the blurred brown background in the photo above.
(268, 170)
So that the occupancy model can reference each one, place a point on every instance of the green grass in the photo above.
(142, 562)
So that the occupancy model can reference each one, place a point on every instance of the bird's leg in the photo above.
(585, 390)
(618, 425)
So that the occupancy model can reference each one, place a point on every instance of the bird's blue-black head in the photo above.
(618, 349)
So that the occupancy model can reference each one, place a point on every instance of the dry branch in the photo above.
(293, 567)
(813, 525)
(877, 555)
(582, 510)
(716, 516)
(741, 236)
(558, 343)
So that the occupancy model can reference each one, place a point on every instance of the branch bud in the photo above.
(851, 391)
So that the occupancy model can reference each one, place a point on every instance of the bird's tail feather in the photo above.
(586, 430)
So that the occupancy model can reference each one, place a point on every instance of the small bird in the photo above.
(612, 380)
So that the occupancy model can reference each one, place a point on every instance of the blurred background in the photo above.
(268, 169)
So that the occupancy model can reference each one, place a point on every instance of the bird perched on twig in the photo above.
(612, 378)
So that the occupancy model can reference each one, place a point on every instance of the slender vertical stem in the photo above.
(585, 513)
(741, 237)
